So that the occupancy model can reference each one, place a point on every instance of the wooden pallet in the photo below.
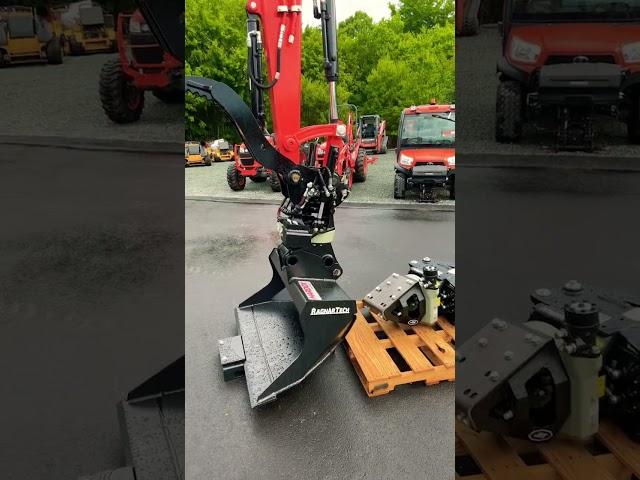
(485, 456)
(386, 354)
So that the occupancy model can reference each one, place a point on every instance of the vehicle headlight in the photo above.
(243, 150)
(406, 160)
(452, 161)
(524, 52)
(631, 52)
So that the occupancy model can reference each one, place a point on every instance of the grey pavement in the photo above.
(326, 427)
(91, 300)
(62, 101)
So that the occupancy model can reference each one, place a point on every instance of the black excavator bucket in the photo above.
(286, 330)
(292, 325)
(151, 422)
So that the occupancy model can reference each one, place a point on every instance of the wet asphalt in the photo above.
(91, 300)
(326, 427)
(523, 229)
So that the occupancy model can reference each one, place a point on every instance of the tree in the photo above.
(418, 14)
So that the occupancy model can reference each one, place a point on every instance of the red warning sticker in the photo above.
(309, 290)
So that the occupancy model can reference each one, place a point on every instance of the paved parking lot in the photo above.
(63, 101)
(476, 98)
(212, 182)
(326, 428)
(91, 300)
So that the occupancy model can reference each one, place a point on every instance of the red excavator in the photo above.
(292, 325)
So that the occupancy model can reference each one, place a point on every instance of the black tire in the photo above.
(509, 112)
(452, 188)
(385, 140)
(399, 186)
(54, 52)
(360, 173)
(274, 183)
(234, 179)
(121, 101)
(633, 122)
(207, 161)
(169, 95)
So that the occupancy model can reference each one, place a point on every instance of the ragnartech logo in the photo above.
(330, 311)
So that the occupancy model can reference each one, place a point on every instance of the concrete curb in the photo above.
(74, 143)
(437, 207)
(549, 161)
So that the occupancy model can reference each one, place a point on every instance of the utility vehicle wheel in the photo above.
(234, 179)
(169, 95)
(452, 188)
(360, 173)
(633, 123)
(121, 101)
(216, 158)
(399, 186)
(274, 183)
(54, 52)
(207, 161)
(509, 112)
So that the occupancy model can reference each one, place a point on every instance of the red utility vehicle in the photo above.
(425, 155)
(142, 65)
(567, 61)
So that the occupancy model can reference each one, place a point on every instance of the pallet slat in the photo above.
(428, 353)
(621, 445)
(572, 461)
(500, 458)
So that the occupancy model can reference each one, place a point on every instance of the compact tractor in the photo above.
(287, 329)
(575, 360)
(196, 154)
(26, 38)
(245, 166)
(565, 62)
(148, 67)
(355, 166)
(425, 155)
(373, 134)
(93, 33)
